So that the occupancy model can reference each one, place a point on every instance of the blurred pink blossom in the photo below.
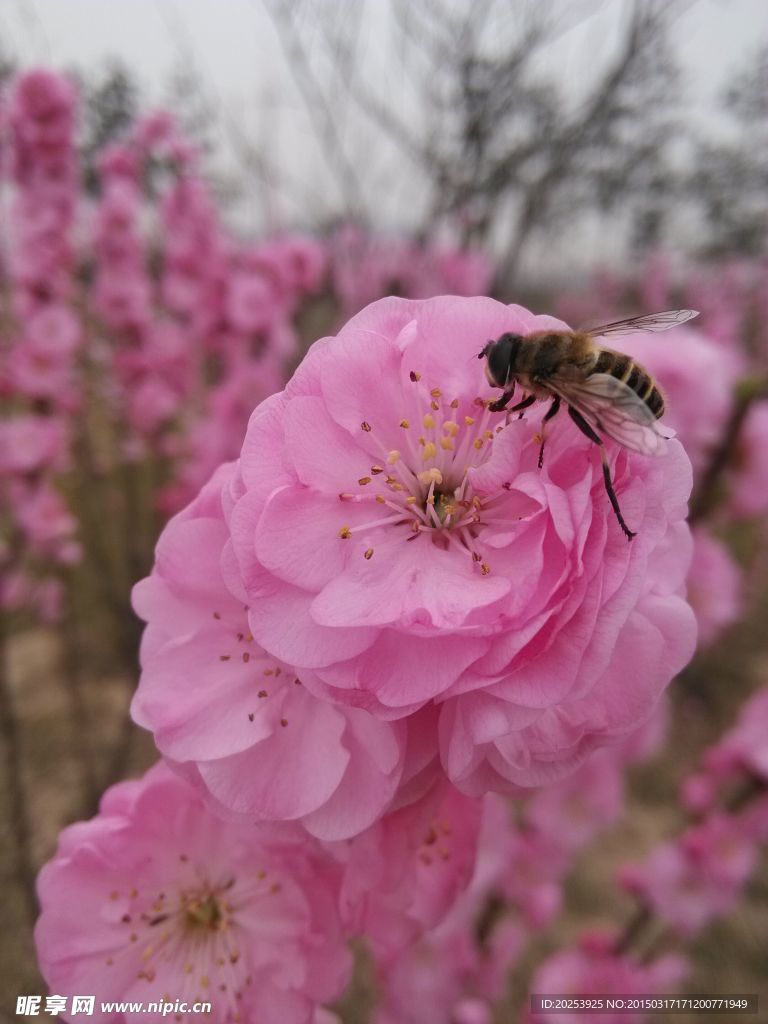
(697, 877)
(593, 968)
(714, 586)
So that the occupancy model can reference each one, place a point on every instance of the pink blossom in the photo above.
(593, 968)
(41, 116)
(573, 811)
(21, 591)
(236, 720)
(697, 877)
(251, 301)
(31, 443)
(714, 586)
(45, 521)
(749, 475)
(403, 875)
(744, 748)
(421, 558)
(153, 896)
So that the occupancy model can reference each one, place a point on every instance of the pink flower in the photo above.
(405, 873)
(153, 899)
(251, 301)
(749, 477)
(714, 586)
(236, 720)
(421, 558)
(30, 443)
(697, 877)
(592, 968)
(744, 748)
(573, 811)
(41, 115)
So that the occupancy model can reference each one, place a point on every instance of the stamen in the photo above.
(368, 555)
(404, 424)
(393, 456)
(430, 451)
(414, 376)
(366, 427)
(345, 532)
(429, 421)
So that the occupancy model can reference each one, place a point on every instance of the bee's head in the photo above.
(501, 356)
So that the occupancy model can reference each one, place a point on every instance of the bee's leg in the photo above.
(551, 412)
(501, 403)
(586, 429)
(523, 405)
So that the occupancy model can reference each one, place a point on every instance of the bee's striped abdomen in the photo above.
(633, 375)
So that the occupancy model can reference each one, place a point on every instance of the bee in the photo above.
(606, 392)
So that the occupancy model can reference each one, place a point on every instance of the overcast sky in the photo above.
(234, 46)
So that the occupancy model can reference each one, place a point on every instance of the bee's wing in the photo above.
(651, 322)
(612, 408)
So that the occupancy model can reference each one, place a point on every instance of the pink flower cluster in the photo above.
(38, 375)
(384, 610)
(459, 969)
(701, 874)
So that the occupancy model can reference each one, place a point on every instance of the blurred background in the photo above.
(191, 193)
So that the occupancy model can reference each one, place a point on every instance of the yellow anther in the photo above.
(431, 499)
(414, 375)
(411, 499)
(488, 434)
(485, 568)
(430, 451)
(381, 499)
(446, 443)
(393, 457)
(455, 403)
(451, 428)
(364, 480)
(434, 404)
(375, 470)
(345, 532)
(429, 421)
(431, 476)
(469, 420)
(366, 427)
(479, 443)
(368, 554)
(436, 392)
(404, 424)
